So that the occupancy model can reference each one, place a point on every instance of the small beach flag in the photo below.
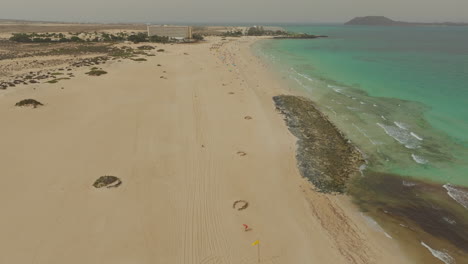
(256, 243)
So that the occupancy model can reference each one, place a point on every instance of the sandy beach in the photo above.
(187, 138)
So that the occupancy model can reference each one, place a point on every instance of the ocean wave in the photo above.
(416, 136)
(401, 135)
(305, 76)
(331, 109)
(450, 221)
(365, 134)
(298, 81)
(443, 256)
(458, 195)
(419, 159)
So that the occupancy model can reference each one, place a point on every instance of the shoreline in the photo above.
(413, 216)
(186, 139)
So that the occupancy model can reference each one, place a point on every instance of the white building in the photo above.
(177, 32)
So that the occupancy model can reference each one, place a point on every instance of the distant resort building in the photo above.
(176, 32)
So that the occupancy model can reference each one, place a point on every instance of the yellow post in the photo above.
(258, 252)
(257, 243)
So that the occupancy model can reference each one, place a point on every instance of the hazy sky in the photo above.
(233, 10)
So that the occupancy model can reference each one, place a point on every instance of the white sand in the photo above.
(173, 142)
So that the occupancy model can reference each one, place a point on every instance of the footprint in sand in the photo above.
(241, 153)
(247, 117)
(240, 205)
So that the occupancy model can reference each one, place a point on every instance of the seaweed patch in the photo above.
(324, 156)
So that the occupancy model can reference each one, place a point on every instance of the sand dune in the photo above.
(174, 143)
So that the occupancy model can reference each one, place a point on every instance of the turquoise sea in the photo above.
(401, 95)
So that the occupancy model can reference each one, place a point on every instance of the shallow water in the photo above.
(400, 94)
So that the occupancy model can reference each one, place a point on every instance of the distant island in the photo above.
(384, 21)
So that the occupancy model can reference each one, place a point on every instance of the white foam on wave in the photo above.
(408, 184)
(419, 159)
(416, 136)
(383, 117)
(458, 195)
(401, 135)
(400, 125)
(338, 90)
(352, 108)
(450, 221)
(443, 256)
(363, 167)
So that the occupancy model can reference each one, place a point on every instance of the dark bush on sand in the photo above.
(29, 102)
(197, 36)
(146, 47)
(21, 37)
(159, 39)
(96, 72)
(137, 38)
